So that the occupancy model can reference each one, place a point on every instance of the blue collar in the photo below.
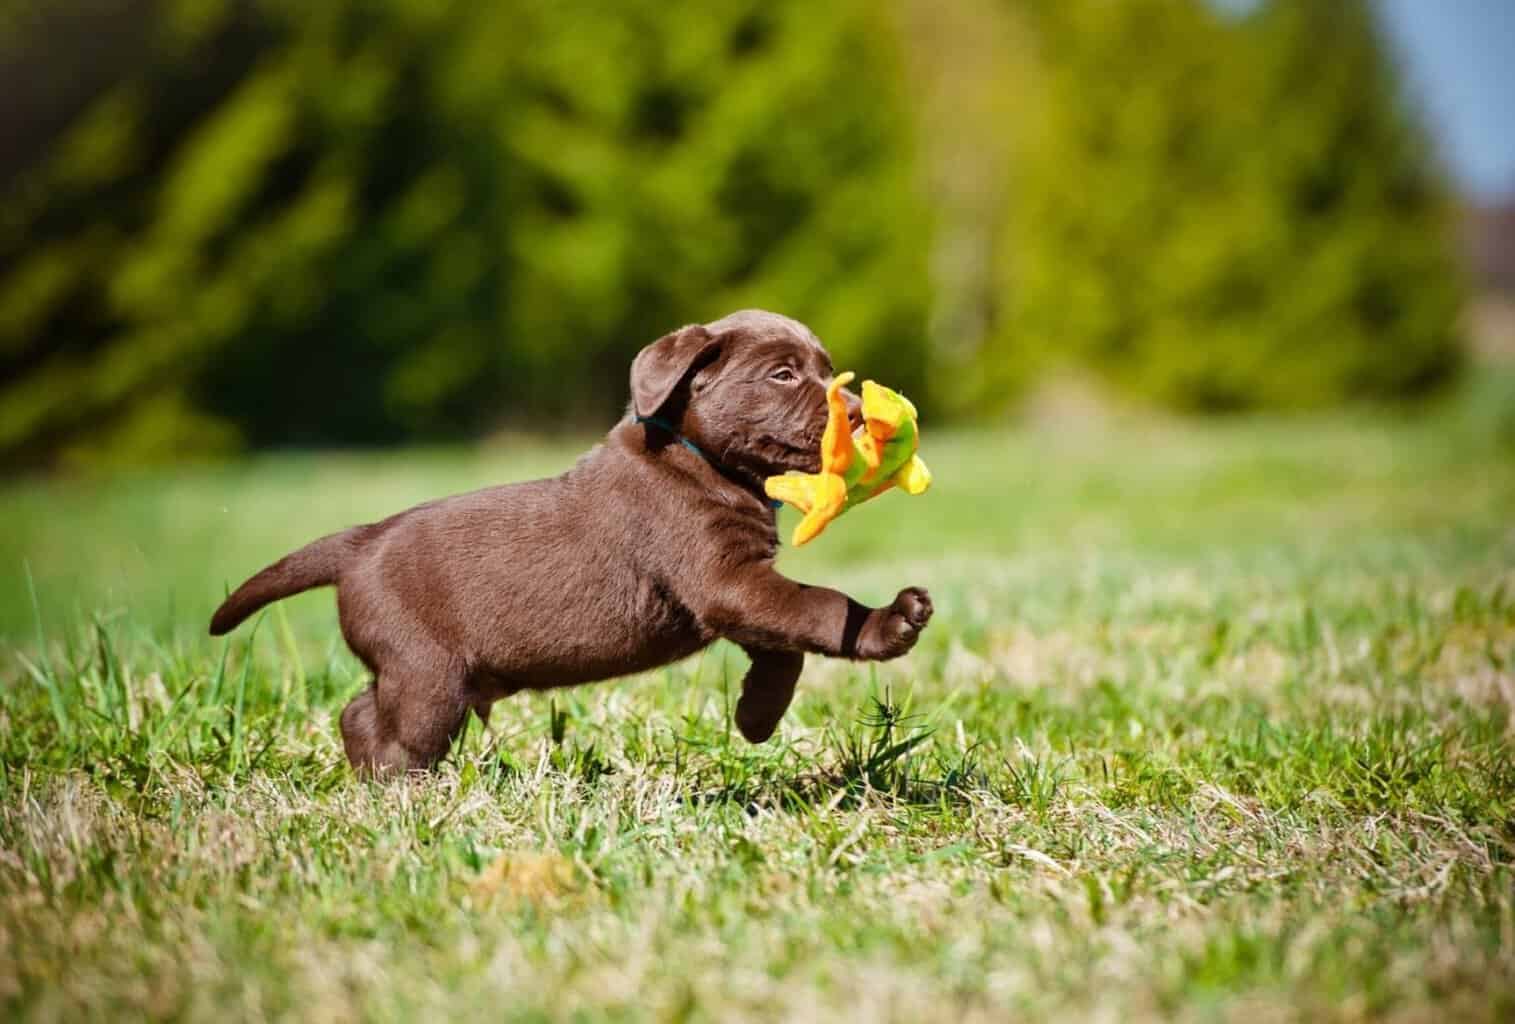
(662, 424)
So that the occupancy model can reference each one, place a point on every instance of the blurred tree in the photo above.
(679, 163)
(1219, 210)
(278, 222)
(970, 77)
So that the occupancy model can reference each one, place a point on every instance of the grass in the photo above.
(1214, 722)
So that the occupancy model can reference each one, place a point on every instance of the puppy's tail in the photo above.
(317, 564)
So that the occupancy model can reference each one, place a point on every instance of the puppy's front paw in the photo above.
(897, 627)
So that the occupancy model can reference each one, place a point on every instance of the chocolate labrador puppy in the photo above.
(657, 542)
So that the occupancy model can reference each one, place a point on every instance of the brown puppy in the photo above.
(656, 543)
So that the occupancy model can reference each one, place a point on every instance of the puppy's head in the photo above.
(749, 389)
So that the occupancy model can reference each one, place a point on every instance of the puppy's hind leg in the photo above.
(767, 690)
(403, 722)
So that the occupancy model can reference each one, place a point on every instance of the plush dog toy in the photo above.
(855, 467)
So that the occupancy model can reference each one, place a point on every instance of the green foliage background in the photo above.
(373, 221)
(1221, 213)
(272, 223)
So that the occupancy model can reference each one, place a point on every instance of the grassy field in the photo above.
(1214, 722)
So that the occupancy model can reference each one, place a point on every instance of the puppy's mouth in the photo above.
(801, 455)
(778, 449)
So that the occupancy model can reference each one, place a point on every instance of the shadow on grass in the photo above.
(882, 758)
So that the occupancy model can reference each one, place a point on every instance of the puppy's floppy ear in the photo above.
(659, 367)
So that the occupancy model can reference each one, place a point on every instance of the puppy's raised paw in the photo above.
(897, 627)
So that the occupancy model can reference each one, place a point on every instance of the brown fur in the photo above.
(641, 554)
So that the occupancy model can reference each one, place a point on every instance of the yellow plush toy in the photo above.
(855, 467)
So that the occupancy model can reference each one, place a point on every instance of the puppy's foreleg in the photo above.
(759, 608)
(767, 690)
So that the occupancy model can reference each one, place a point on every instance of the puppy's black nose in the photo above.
(854, 408)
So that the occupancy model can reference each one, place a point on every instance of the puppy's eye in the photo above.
(783, 375)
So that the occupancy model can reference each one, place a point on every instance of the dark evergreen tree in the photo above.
(280, 222)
